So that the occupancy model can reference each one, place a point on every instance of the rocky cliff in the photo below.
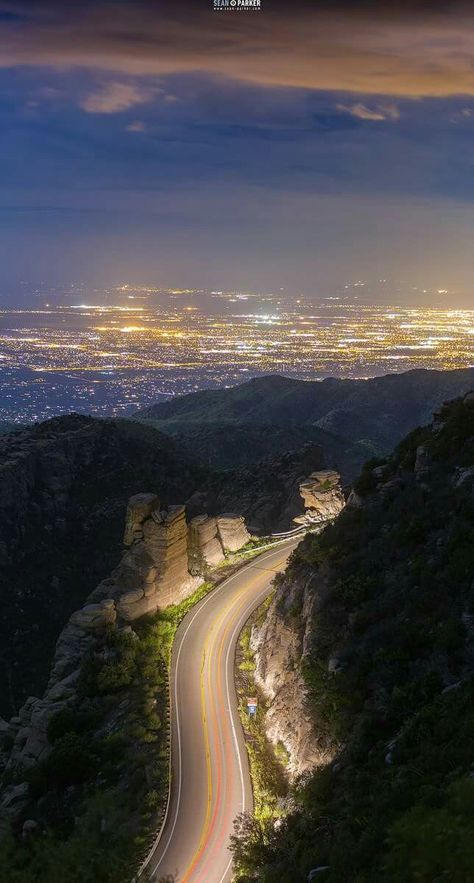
(366, 657)
(63, 488)
(284, 639)
(280, 645)
(153, 574)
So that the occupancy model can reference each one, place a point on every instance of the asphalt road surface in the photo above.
(210, 781)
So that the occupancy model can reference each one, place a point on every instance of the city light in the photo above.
(206, 341)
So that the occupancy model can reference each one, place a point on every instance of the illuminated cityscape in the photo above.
(110, 352)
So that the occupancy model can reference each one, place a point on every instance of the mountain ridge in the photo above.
(371, 414)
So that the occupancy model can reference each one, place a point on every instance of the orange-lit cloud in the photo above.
(411, 51)
(116, 97)
(377, 113)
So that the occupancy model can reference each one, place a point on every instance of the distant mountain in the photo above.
(374, 413)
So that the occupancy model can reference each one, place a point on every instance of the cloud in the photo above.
(379, 112)
(405, 49)
(116, 97)
(137, 126)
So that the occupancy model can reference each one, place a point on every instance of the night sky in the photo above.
(299, 146)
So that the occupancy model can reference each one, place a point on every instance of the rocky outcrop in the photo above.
(64, 485)
(153, 573)
(205, 547)
(422, 462)
(95, 617)
(280, 645)
(232, 531)
(156, 567)
(322, 496)
(266, 494)
(139, 508)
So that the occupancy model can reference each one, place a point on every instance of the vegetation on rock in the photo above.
(394, 587)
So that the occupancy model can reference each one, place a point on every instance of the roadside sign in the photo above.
(252, 703)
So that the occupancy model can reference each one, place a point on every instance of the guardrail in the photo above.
(290, 533)
(304, 528)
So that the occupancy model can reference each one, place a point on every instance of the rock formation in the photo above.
(153, 573)
(205, 547)
(322, 496)
(279, 645)
(139, 508)
(266, 493)
(232, 531)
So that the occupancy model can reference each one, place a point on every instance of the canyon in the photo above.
(165, 560)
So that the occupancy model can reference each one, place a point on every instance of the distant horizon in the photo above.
(369, 291)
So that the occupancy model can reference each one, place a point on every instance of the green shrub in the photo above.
(434, 843)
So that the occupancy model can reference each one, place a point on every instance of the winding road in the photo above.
(210, 781)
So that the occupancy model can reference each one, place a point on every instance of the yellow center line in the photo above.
(205, 826)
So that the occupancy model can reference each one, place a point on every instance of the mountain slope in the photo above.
(64, 485)
(6, 427)
(376, 616)
(377, 412)
(224, 446)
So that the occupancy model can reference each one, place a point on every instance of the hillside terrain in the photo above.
(259, 418)
(63, 491)
(230, 446)
(373, 626)
(64, 485)
(6, 427)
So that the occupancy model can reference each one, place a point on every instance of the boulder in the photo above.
(139, 508)
(95, 617)
(322, 496)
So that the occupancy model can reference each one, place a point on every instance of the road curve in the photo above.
(210, 781)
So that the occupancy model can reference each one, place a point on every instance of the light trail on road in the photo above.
(210, 780)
